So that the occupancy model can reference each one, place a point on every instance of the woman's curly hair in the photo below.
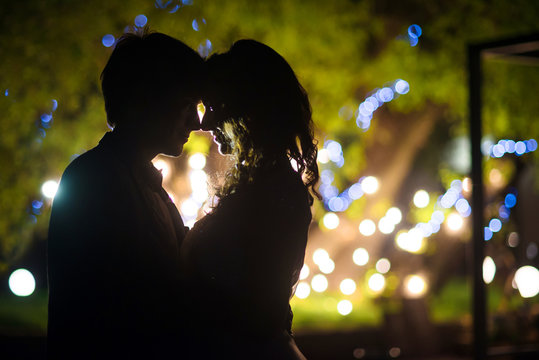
(265, 109)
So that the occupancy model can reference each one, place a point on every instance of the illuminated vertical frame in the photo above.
(525, 49)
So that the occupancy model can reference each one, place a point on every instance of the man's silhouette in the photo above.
(114, 233)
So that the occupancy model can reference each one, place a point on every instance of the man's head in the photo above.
(151, 85)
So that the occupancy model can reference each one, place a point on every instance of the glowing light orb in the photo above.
(489, 270)
(411, 241)
(385, 94)
(49, 189)
(385, 225)
(197, 161)
(348, 286)
(323, 156)
(22, 282)
(108, 40)
(304, 273)
(383, 265)
(377, 283)
(319, 283)
(513, 239)
(455, 222)
(163, 167)
(510, 200)
(344, 307)
(355, 191)
(527, 281)
(370, 185)
(520, 148)
(189, 208)
(320, 256)
(394, 214)
(302, 290)
(327, 266)
(488, 233)
(141, 20)
(495, 225)
(415, 286)
(330, 220)
(421, 199)
(402, 87)
(360, 256)
(367, 227)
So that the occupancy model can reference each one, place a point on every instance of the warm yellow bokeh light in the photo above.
(360, 256)
(344, 307)
(302, 290)
(348, 286)
(370, 185)
(415, 286)
(319, 283)
(331, 221)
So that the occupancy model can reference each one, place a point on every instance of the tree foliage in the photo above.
(341, 50)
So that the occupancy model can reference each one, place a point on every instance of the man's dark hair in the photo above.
(147, 69)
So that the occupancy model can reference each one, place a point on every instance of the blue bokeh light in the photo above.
(187, 2)
(141, 20)
(510, 200)
(6, 93)
(402, 87)
(54, 105)
(327, 176)
(509, 146)
(355, 191)
(488, 234)
(194, 25)
(504, 212)
(520, 148)
(46, 118)
(531, 145)
(495, 225)
(385, 94)
(498, 150)
(462, 206)
(108, 40)
(415, 30)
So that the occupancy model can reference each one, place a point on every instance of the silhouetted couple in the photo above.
(127, 280)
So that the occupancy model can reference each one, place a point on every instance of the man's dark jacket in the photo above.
(113, 259)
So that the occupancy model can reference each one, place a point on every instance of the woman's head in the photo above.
(258, 110)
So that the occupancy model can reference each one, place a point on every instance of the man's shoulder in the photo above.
(95, 163)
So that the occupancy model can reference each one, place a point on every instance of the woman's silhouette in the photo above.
(244, 258)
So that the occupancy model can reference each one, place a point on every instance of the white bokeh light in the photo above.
(22, 282)
(331, 220)
(394, 215)
(385, 225)
(348, 286)
(377, 283)
(319, 283)
(304, 273)
(320, 256)
(367, 227)
(383, 265)
(303, 290)
(411, 241)
(344, 307)
(323, 156)
(370, 185)
(489, 270)
(421, 199)
(327, 266)
(49, 189)
(455, 222)
(360, 256)
(527, 281)
(415, 286)
(197, 161)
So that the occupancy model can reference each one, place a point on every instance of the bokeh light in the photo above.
(331, 220)
(527, 281)
(360, 256)
(344, 307)
(141, 20)
(421, 198)
(489, 270)
(383, 265)
(370, 185)
(197, 161)
(455, 222)
(415, 286)
(319, 283)
(367, 227)
(49, 189)
(320, 256)
(348, 286)
(302, 290)
(22, 282)
(108, 40)
(304, 273)
(377, 283)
